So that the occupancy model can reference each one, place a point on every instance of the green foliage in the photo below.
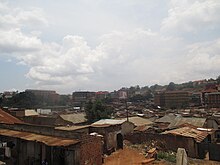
(169, 156)
(21, 100)
(140, 98)
(218, 79)
(64, 100)
(171, 86)
(96, 111)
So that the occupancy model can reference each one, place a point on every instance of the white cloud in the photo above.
(192, 16)
(15, 41)
(204, 58)
(14, 38)
(119, 58)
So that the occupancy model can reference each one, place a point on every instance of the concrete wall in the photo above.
(127, 127)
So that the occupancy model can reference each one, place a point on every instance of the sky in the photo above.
(105, 45)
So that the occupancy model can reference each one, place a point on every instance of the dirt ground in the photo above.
(129, 156)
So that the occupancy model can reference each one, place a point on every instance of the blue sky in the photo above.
(105, 45)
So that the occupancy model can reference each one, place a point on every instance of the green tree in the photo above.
(24, 100)
(218, 79)
(96, 111)
(171, 86)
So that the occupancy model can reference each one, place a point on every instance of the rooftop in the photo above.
(166, 119)
(71, 128)
(75, 117)
(138, 121)
(198, 135)
(108, 122)
(7, 118)
(198, 122)
(48, 140)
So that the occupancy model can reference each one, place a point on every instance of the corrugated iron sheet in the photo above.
(198, 122)
(72, 128)
(7, 118)
(199, 136)
(108, 122)
(48, 140)
(74, 118)
(138, 121)
(141, 128)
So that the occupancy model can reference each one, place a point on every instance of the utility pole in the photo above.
(126, 106)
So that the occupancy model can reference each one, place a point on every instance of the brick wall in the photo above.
(91, 151)
(169, 142)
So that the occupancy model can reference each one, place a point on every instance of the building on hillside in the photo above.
(159, 99)
(172, 99)
(212, 100)
(8, 94)
(102, 95)
(81, 97)
(122, 94)
(48, 96)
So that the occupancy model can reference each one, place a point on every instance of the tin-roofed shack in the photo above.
(30, 148)
(113, 132)
(34, 138)
(187, 137)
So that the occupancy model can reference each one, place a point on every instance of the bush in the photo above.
(168, 156)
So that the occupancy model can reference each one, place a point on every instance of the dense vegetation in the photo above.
(96, 111)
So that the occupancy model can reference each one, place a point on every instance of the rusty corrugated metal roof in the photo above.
(72, 128)
(138, 121)
(199, 136)
(8, 118)
(141, 128)
(198, 122)
(48, 140)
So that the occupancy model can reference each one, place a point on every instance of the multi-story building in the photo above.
(48, 96)
(212, 100)
(210, 95)
(172, 99)
(81, 97)
(101, 94)
(122, 94)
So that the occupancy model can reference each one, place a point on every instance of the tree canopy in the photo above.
(171, 86)
(96, 111)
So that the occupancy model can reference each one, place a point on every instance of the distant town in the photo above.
(167, 124)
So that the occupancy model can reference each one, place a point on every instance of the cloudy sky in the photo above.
(105, 45)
